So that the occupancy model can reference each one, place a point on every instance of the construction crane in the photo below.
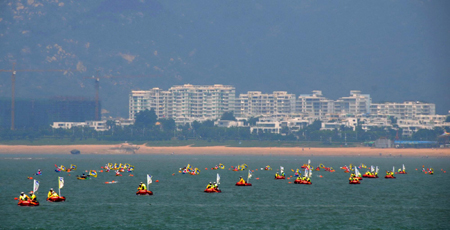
(97, 87)
(13, 84)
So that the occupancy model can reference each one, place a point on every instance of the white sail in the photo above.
(35, 186)
(376, 170)
(281, 169)
(306, 172)
(310, 173)
(393, 169)
(149, 180)
(356, 171)
(403, 167)
(372, 169)
(218, 179)
(309, 161)
(249, 175)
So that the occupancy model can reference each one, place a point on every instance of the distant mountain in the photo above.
(393, 50)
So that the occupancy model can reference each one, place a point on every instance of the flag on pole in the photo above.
(61, 182)
(249, 174)
(149, 179)
(35, 186)
(218, 179)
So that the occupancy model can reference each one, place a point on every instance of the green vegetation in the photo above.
(163, 132)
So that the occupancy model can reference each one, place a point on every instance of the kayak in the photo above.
(354, 182)
(243, 184)
(27, 203)
(56, 199)
(389, 177)
(280, 177)
(144, 192)
(82, 178)
(212, 190)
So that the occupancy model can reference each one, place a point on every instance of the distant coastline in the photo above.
(224, 150)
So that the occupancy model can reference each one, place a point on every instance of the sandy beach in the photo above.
(222, 150)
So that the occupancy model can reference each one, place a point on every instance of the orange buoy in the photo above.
(206, 168)
(173, 174)
(289, 182)
(157, 180)
(445, 171)
(179, 171)
(15, 198)
(31, 178)
(256, 169)
(131, 175)
(113, 181)
(229, 169)
(416, 169)
(257, 178)
(288, 178)
(101, 167)
(101, 170)
(320, 176)
(106, 182)
(85, 171)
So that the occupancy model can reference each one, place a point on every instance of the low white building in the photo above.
(97, 125)
(228, 124)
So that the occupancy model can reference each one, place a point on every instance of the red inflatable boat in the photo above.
(389, 177)
(56, 199)
(280, 177)
(243, 184)
(144, 192)
(354, 182)
(212, 190)
(27, 203)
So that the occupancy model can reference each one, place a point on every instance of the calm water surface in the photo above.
(412, 201)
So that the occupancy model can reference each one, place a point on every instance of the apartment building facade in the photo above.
(184, 101)
(255, 103)
(403, 110)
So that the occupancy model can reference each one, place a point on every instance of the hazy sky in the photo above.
(393, 50)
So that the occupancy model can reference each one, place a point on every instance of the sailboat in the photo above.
(60, 186)
(403, 171)
(358, 174)
(213, 189)
(390, 175)
(245, 183)
(29, 202)
(146, 191)
(280, 176)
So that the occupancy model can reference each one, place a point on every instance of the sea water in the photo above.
(412, 201)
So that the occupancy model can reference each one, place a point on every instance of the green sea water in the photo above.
(412, 201)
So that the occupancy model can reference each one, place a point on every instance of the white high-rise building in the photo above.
(355, 104)
(403, 110)
(184, 102)
(315, 105)
(255, 103)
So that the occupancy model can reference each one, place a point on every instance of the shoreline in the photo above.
(223, 150)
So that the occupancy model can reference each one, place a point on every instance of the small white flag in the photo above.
(218, 179)
(61, 182)
(35, 186)
(149, 179)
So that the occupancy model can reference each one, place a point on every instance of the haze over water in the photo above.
(412, 201)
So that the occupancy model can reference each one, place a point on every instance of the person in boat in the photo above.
(23, 196)
(215, 186)
(352, 175)
(282, 174)
(210, 185)
(38, 172)
(142, 186)
(308, 179)
(83, 176)
(241, 180)
(52, 193)
(33, 197)
(216, 167)
(277, 175)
